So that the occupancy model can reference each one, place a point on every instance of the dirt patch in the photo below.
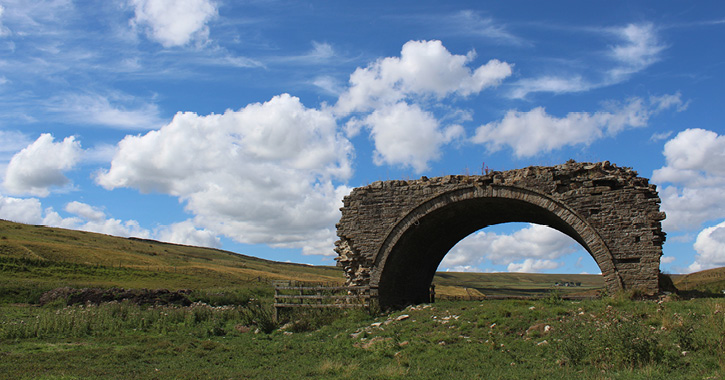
(96, 296)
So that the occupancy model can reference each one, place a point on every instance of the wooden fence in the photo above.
(301, 296)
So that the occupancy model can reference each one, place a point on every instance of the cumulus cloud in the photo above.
(173, 22)
(424, 68)
(21, 210)
(710, 247)
(85, 217)
(85, 211)
(40, 166)
(692, 180)
(535, 131)
(536, 244)
(262, 174)
(406, 135)
(532, 266)
(388, 96)
(93, 219)
(667, 259)
(186, 233)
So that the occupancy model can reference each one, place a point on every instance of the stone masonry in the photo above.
(393, 234)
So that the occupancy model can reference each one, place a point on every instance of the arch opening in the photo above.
(518, 247)
(413, 251)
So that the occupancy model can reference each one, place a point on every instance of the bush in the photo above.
(260, 315)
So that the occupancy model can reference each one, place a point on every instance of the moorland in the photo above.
(224, 326)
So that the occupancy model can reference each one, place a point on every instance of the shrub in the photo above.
(260, 315)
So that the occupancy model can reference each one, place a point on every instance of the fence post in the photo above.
(276, 309)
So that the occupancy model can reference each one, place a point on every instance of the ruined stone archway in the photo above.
(393, 234)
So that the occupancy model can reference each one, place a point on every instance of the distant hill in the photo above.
(46, 257)
(43, 257)
(710, 280)
(516, 284)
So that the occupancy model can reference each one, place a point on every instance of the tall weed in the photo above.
(115, 319)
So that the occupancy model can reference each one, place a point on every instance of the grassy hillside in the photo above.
(711, 280)
(37, 257)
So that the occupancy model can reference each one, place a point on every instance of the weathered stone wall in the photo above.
(389, 231)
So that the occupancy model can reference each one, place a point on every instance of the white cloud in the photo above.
(116, 110)
(532, 266)
(21, 210)
(174, 22)
(695, 176)
(406, 135)
(392, 90)
(92, 219)
(263, 174)
(425, 68)
(463, 268)
(320, 52)
(547, 83)
(40, 166)
(537, 242)
(187, 234)
(85, 211)
(710, 247)
(328, 84)
(33, 16)
(640, 49)
(667, 259)
(115, 227)
(637, 48)
(533, 132)
(471, 23)
(660, 136)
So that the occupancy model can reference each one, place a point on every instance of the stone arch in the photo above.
(419, 241)
(393, 234)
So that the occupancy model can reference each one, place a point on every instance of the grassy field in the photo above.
(229, 332)
(516, 284)
(613, 338)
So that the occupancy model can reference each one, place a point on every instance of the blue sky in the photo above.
(241, 125)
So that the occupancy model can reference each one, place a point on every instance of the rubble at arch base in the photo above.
(391, 230)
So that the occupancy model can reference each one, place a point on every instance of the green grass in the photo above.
(42, 258)
(709, 281)
(613, 338)
(229, 332)
(515, 284)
